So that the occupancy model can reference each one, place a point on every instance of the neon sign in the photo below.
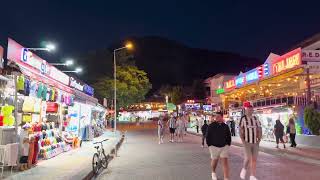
(252, 76)
(240, 80)
(230, 84)
(220, 91)
(287, 61)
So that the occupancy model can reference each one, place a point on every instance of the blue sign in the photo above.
(88, 90)
(240, 81)
(252, 76)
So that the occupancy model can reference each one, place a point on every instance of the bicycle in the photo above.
(99, 159)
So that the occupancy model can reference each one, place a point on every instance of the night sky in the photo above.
(252, 28)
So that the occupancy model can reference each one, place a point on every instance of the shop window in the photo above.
(290, 100)
(259, 103)
(268, 102)
(263, 103)
(278, 101)
(284, 100)
(273, 101)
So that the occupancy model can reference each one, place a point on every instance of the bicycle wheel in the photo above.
(95, 163)
(104, 160)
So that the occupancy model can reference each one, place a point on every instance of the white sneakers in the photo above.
(253, 178)
(214, 176)
(243, 173)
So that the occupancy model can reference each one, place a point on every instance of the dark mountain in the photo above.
(167, 62)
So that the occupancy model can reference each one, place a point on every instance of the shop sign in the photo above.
(220, 91)
(230, 84)
(314, 67)
(75, 84)
(88, 90)
(310, 55)
(240, 80)
(58, 75)
(287, 61)
(28, 60)
(252, 76)
(207, 107)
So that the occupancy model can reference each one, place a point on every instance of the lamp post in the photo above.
(127, 46)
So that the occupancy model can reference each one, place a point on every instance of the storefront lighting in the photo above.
(288, 79)
(269, 85)
(295, 80)
(278, 85)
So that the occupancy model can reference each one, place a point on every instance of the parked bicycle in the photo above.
(100, 159)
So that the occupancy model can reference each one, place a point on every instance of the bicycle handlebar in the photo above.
(101, 141)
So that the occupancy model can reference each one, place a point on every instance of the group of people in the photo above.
(177, 127)
(279, 133)
(218, 138)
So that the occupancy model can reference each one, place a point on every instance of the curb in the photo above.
(110, 156)
(280, 153)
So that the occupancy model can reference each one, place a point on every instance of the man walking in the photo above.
(250, 134)
(219, 140)
(204, 132)
(172, 125)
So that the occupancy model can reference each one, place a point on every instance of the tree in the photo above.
(312, 119)
(132, 85)
(175, 93)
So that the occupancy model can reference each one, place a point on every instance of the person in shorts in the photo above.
(218, 138)
(172, 127)
(180, 129)
(250, 134)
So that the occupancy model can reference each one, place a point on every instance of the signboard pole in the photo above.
(308, 86)
(16, 104)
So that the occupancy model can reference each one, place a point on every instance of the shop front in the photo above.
(42, 108)
(277, 90)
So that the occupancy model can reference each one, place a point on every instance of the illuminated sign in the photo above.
(207, 107)
(230, 84)
(266, 69)
(252, 76)
(75, 84)
(34, 61)
(88, 90)
(220, 91)
(240, 80)
(310, 55)
(1, 57)
(287, 61)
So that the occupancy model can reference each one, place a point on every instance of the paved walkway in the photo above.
(75, 164)
(142, 158)
(303, 153)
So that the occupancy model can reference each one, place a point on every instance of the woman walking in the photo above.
(292, 132)
(160, 129)
(278, 132)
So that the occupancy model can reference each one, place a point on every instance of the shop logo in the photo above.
(26, 55)
(287, 61)
(230, 84)
(252, 76)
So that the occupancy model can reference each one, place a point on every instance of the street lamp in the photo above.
(49, 47)
(77, 70)
(128, 46)
(67, 63)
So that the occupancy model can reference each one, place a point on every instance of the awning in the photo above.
(3, 78)
(84, 98)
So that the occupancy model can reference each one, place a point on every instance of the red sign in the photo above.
(230, 84)
(288, 61)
